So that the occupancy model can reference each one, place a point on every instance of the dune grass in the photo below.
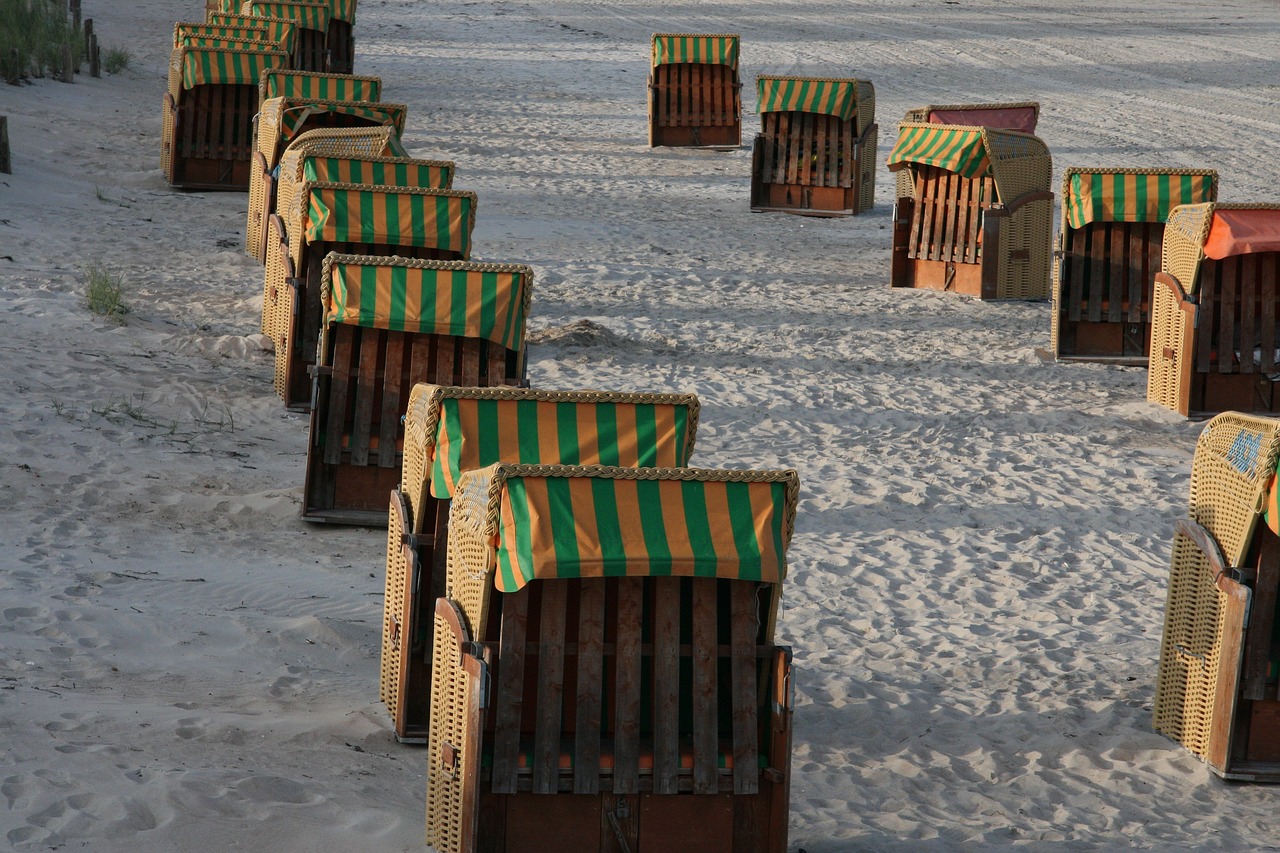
(38, 30)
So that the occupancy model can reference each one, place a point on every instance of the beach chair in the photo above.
(316, 85)
(1021, 116)
(184, 30)
(1214, 311)
(449, 430)
(390, 323)
(341, 40)
(353, 219)
(695, 97)
(978, 221)
(605, 676)
(283, 119)
(311, 25)
(1108, 255)
(1217, 691)
(206, 139)
(816, 153)
(278, 29)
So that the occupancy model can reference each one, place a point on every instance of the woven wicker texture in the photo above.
(1234, 462)
(277, 297)
(397, 579)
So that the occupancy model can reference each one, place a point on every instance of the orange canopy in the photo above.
(1007, 118)
(1243, 232)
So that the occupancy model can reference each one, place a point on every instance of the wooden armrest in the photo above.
(1174, 285)
(1012, 207)
(782, 697)
(1221, 572)
(475, 657)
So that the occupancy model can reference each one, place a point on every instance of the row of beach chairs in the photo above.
(570, 608)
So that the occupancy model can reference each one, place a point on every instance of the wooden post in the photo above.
(95, 59)
(13, 64)
(67, 69)
(5, 165)
(75, 14)
(88, 36)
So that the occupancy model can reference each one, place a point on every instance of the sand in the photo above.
(977, 579)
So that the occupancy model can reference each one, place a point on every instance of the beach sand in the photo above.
(976, 585)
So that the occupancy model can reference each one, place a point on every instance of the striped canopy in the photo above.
(475, 428)
(581, 522)
(278, 29)
(285, 83)
(837, 98)
(294, 115)
(214, 65)
(395, 172)
(673, 48)
(956, 149)
(483, 301)
(399, 216)
(189, 40)
(233, 33)
(1132, 195)
(307, 16)
(343, 10)
(1242, 231)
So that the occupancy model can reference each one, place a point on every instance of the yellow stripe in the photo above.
(629, 520)
(469, 421)
(584, 518)
(721, 534)
(762, 511)
(548, 435)
(628, 443)
(588, 435)
(671, 496)
(508, 427)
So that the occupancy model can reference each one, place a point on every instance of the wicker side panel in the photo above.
(1190, 651)
(393, 633)
(1234, 462)
(1020, 163)
(866, 106)
(1023, 265)
(450, 698)
(419, 429)
(468, 579)
(1183, 246)
(277, 299)
(1164, 374)
(256, 214)
(867, 164)
(166, 136)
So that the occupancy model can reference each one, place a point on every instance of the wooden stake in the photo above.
(67, 70)
(5, 165)
(75, 14)
(95, 58)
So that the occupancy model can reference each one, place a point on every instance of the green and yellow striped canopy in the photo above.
(399, 216)
(286, 83)
(278, 29)
(556, 522)
(232, 33)
(957, 149)
(674, 48)
(214, 65)
(307, 16)
(1133, 195)
(482, 301)
(837, 98)
(189, 40)
(223, 7)
(475, 428)
(295, 114)
(343, 10)
(392, 172)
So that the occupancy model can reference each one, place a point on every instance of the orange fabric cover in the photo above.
(1015, 118)
(1243, 232)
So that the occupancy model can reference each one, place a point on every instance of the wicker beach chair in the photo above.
(184, 30)
(1214, 313)
(695, 96)
(282, 120)
(449, 430)
(605, 672)
(816, 153)
(1021, 116)
(206, 139)
(354, 219)
(278, 29)
(1108, 255)
(316, 85)
(311, 26)
(979, 219)
(1217, 691)
(390, 323)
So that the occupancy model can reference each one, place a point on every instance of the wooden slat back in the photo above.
(652, 673)
(807, 149)
(1108, 269)
(695, 95)
(947, 216)
(216, 121)
(1236, 327)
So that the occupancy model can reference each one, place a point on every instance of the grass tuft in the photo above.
(116, 59)
(104, 294)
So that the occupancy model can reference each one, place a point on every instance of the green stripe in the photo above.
(515, 306)
(604, 498)
(488, 304)
(517, 496)
(399, 308)
(392, 209)
(564, 530)
(699, 528)
(1117, 192)
(607, 434)
(653, 527)
(451, 425)
(443, 236)
(682, 435)
(1166, 197)
(567, 434)
(487, 445)
(647, 436)
(367, 213)
(368, 293)
(738, 497)
(429, 284)
(1140, 198)
(527, 434)
(458, 303)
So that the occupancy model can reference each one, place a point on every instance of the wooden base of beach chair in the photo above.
(342, 47)
(695, 106)
(810, 164)
(651, 772)
(1102, 303)
(208, 142)
(355, 451)
(310, 50)
(1193, 373)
